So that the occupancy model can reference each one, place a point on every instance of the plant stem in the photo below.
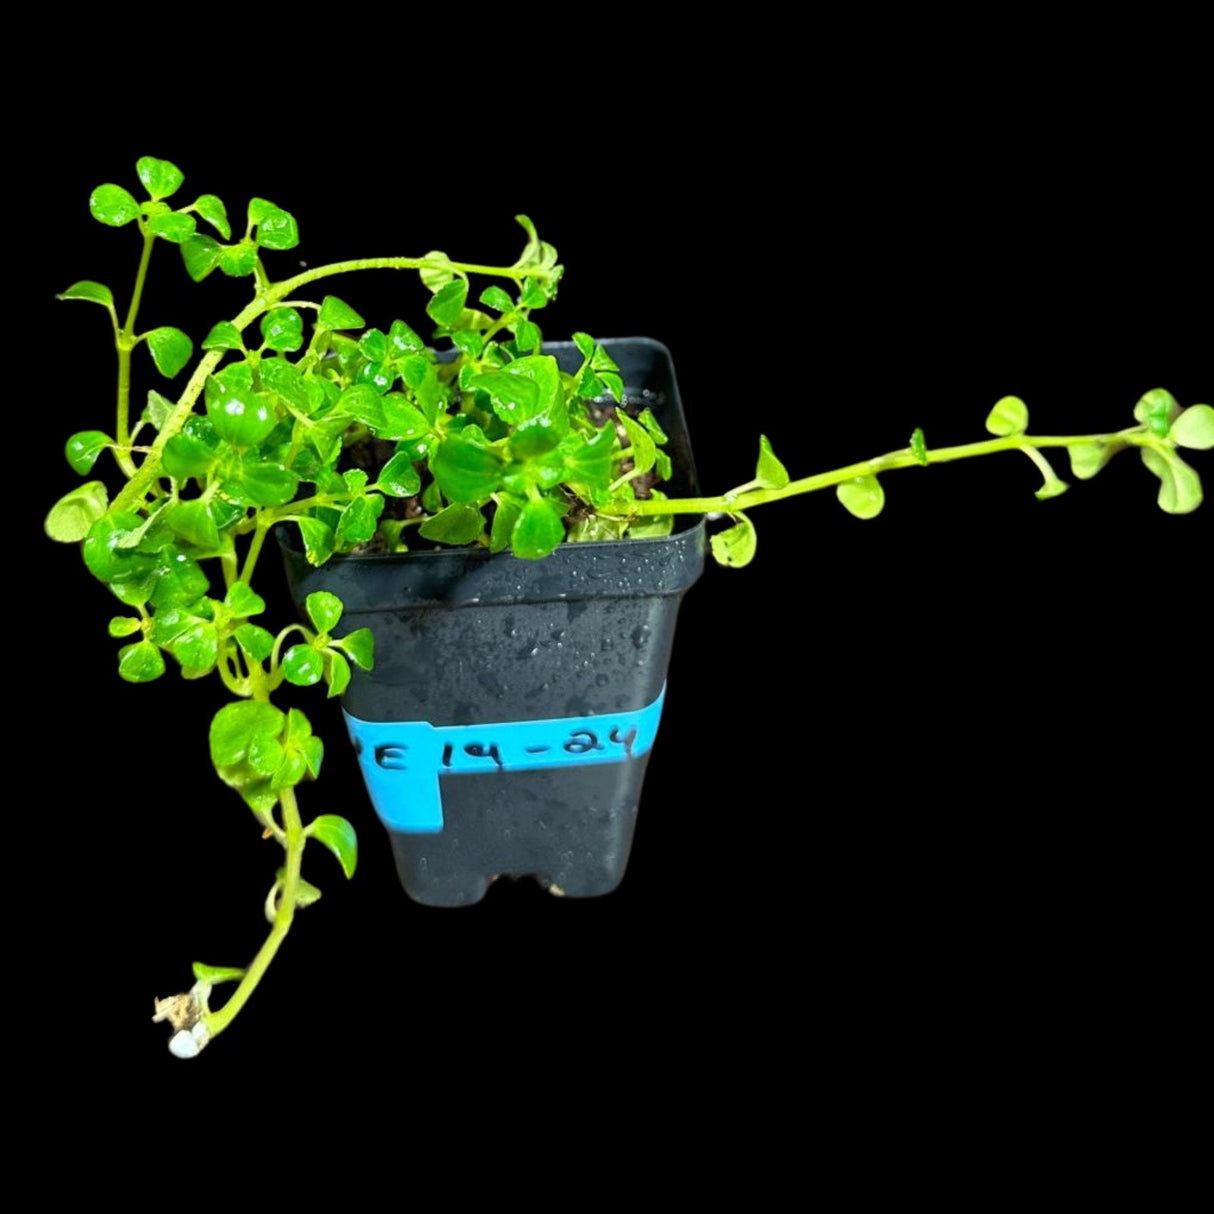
(124, 341)
(255, 544)
(731, 503)
(280, 290)
(219, 1020)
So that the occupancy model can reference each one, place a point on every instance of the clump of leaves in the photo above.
(485, 440)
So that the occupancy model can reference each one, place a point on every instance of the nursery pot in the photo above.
(507, 723)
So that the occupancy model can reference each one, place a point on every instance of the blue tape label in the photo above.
(402, 760)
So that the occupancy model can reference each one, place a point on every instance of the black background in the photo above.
(923, 783)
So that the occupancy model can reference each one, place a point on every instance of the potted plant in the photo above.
(493, 443)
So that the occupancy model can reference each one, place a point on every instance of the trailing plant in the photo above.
(295, 413)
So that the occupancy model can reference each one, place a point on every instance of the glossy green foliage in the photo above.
(862, 496)
(459, 431)
(338, 836)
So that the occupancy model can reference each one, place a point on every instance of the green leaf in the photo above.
(305, 892)
(1194, 427)
(109, 558)
(179, 579)
(95, 292)
(337, 672)
(338, 836)
(863, 496)
(215, 213)
(140, 663)
(186, 456)
(282, 329)
(201, 255)
(527, 335)
(243, 601)
(1009, 416)
(358, 521)
(158, 409)
(434, 277)
(257, 482)
(538, 531)
(237, 728)
(194, 522)
(1088, 458)
(403, 340)
(497, 299)
(214, 974)
(505, 519)
(614, 384)
(458, 524)
(589, 463)
(160, 178)
(918, 446)
(736, 545)
(324, 610)
(173, 227)
(318, 538)
(360, 645)
(1157, 410)
(303, 666)
(72, 516)
(641, 449)
(448, 302)
(84, 447)
(238, 260)
(239, 416)
(257, 642)
(399, 478)
(465, 471)
(276, 228)
(401, 421)
(171, 349)
(337, 314)
(124, 625)
(194, 642)
(223, 336)
(1054, 486)
(1179, 485)
(770, 473)
(112, 205)
(650, 423)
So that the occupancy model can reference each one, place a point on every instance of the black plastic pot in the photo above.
(507, 724)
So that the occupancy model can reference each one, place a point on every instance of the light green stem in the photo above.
(124, 341)
(219, 1020)
(731, 503)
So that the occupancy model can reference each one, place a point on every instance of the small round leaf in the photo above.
(338, 836)
(95, 292)
(84, 447)
(324, 610)
(1009, 416)
(171, 350)
(1194, 428)
(215, 213)
(160, 178)
(140, 663)
(736, 545)
(862, 496)
(303, 666)
(73, 515)
(337, 314)
(112, 205)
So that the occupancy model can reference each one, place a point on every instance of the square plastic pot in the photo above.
(508, 721)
